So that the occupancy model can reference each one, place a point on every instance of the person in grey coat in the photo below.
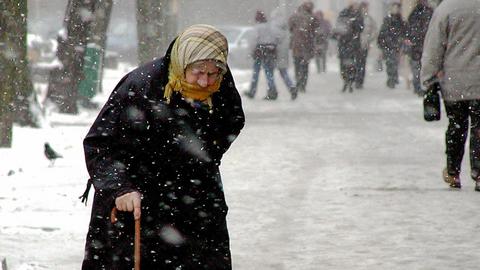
(280, 24)
(451, 56)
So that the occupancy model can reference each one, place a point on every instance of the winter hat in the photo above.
(307, 6)
(260, 17)
(197, 43)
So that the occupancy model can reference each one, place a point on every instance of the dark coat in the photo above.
(417, 29)
(392, 34)
(347, 31)
(171, 154)
(302, 25)
(322, 33)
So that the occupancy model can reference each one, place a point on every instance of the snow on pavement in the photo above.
(330, 181)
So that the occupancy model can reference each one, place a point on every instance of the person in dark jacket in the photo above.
(322, 34)
(155, 150)
(367, 37)
(418, 22)
(302, 25)
(347, 30)
(390, 41)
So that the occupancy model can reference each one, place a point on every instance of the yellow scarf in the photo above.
(177, 83)
(196, 43)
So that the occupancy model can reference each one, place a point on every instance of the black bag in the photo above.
(265, 51)
(431, 103)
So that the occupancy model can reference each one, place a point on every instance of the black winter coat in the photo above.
(392, 34)
(417, 29)
(171, 154)
(349, 26)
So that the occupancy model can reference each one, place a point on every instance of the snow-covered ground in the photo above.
(330, 181)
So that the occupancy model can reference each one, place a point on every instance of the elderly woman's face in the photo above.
(203, 73)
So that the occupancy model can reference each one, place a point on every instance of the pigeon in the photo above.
(50, 154)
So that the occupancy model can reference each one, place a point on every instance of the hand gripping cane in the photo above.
(136, 253)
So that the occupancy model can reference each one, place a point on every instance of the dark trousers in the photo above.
(416, 66)
(392, 62)
(361, 63)
(348, 69)
(321, 61)
(458, 113)
(301, 72)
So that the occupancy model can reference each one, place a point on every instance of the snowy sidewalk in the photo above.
(330, 181)
(346, 181)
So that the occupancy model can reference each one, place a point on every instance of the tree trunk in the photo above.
(154, 28)
(15, 15)
(98, 33)
(63, 82)
(7, 93)
(8, 54)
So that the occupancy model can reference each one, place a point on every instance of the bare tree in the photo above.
(98, 33)
(155, 28)
(17, 89)
(63, 82)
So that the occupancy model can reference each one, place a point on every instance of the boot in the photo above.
(477, 185)
(272, 95)
(452, 180)
(293, 93)
(249, 94)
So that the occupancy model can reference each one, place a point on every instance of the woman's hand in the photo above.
(130, 202)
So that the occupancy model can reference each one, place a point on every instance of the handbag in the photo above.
(431, 103)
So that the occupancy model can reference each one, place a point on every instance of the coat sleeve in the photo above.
(108, 148)
(434, 47)
(381, 36)
(231, 118)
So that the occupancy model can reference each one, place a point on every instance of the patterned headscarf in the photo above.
(198, 42)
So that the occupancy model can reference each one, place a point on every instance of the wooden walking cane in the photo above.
(136, 252)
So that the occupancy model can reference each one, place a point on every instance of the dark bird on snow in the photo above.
(50, 154)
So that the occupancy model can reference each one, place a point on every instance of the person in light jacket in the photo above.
(451, 56)
(280, 24)
(264, 55)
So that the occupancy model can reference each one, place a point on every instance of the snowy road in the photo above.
(330, 181)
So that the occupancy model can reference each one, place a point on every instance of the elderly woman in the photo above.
(155, 150)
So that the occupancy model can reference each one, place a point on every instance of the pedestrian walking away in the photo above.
(347, 31)
(368, 35)
(322, 34)
(302, 25)
(264, 55)
(280, 25)
(155, 150)
(450, 56)
(390, 41)
(418, 22)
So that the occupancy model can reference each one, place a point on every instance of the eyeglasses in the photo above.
(201, 70)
